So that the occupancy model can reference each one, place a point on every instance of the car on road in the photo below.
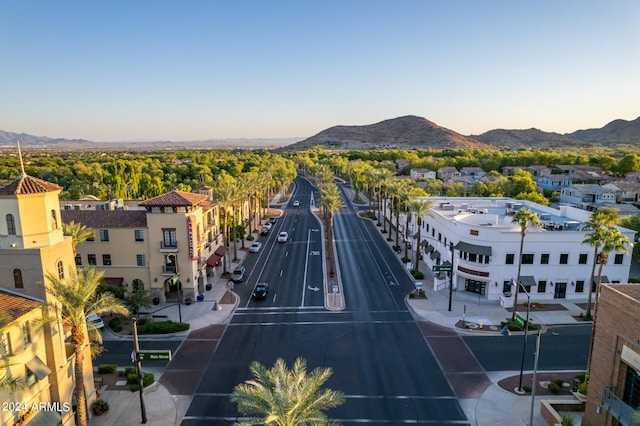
(296, 203)
(264, 231)
(272, 220)
(255, 247)
(260, 291)
(237, 276)
(96, 321)
(283, 237)
(268, 225)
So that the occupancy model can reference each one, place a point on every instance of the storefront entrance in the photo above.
(478, 287)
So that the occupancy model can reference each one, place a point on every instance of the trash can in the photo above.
(200, 298)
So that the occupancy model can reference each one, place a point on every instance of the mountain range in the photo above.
(408, 132)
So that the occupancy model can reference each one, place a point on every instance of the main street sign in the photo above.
(157, 355)
(442, 268)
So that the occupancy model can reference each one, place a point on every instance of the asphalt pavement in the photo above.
(494, 406)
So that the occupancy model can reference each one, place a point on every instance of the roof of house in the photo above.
(25, 184)
(175, 199)
(106, 218)
(13, 306)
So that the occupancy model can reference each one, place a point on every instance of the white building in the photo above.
(486, 245)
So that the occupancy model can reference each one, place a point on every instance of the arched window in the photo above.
(60, 270)
(11, 224)
(17, 278)
(54, 219)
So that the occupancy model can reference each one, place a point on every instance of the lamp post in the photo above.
(515, 282)
(533, 383)
(450, 246)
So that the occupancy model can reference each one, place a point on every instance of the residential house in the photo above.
(445, 173)
(420, 173)
(475, 172)
(554, 182)
(536, 171)
(588, 196)
(628, 191)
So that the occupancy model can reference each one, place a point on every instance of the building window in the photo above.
(26, 333)
(54, 219)
(473, 286)
(544, 259)
(510, 258)
(5, 344)
(527, 258)
(91, 238)
(564, 258)
(139, 235)
(91, 259)
(542, 286)
(582, 260)
(11, 224)
(631, 393)
(618, 259)
(506, 287)
(169, 238)
(60, 270)
(141, 260)
(104, 235)
(472, 257)
(17, 279)
(78, 260)
(106, 259)
(579, 286)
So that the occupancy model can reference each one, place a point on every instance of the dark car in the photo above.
(272, 220)
(260, 291)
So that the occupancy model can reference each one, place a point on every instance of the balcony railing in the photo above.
(168, 246)
(617, 408)
(169, 270)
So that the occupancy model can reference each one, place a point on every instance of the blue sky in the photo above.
(185, 70)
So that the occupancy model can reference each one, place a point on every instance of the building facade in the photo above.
(614, 384)
(477, 236)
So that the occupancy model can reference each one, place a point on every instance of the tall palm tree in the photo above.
(385, 180)
(282, 397)
(608, 239)
(77, 299)
(331, 201)
(524, 218)
(420, 207)
(223, 193)
(602, 219)
(78, 232)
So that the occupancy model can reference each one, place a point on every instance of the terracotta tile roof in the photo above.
(25, 184)
(175, 199)
(13, 306)
(106, 218)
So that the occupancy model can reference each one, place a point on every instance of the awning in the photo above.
(429, 249)
(473, 248)
(213, 260)
(528, 281)
(603, 280)
(220, 251)
(45, 418)
(435, 255)
(38, 368)
(117, 281)
(424, 243)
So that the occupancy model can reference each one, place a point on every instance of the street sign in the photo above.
(442, 268)
(157, 355)
(518, 320)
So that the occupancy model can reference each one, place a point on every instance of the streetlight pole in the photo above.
(451, 275)
(519, 389)
(533, 384)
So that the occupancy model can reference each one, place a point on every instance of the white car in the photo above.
(296, 203)
(255, 247)
(268, 225)
(96, 321)
(283, 237)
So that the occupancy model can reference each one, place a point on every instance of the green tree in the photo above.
(78, 232)
(602, 219)
(524, 218)
(138, 298)
(76, 298)
(7, 382)
(282, 397)
(419, 207)
(331, 201)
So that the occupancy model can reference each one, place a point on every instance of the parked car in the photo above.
(264, 231)
(283, 237)
(237, 276)
(296, 203)
(96, 321)
(260, 291)
(272, 220)
(255, 247)
(268, 225)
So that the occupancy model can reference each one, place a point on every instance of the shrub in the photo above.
(127, 371)
(566, 420)
(582, 388)
(558, 382)
(417, 274)
(100, 406)
(147, 379)
(162, 327)
(115, 324)
(134, 388)
(580, 377)
(132, 379)
(107, 368)
(526, 388)
(554, 388)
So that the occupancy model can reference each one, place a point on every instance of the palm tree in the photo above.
(330, 201)
(283, 397)
(524, 218)
(420, 207)
(608, 239)
(8, 383)
(386, 181)
(223, 193)
(602, 219)
(78, 232)
(77, 299)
